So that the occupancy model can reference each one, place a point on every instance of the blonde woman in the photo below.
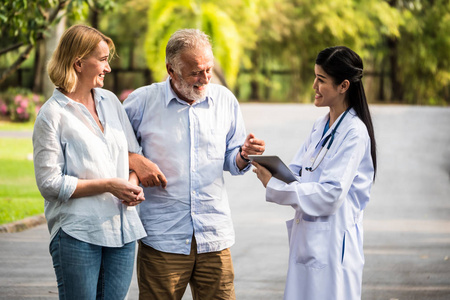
(81, 141)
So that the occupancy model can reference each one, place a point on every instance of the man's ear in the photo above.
(169, 70)
(344, 86)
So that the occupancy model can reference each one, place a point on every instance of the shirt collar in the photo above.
(63, 100)
(171, 95)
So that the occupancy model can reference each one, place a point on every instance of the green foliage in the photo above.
(424, 52)
(254, 39)
(295, 31)
(221, 20)
(126, 24)
(27, 21)
(19, 195)
(23, 23)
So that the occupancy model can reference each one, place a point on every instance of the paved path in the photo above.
(407, 222)
(15, 134)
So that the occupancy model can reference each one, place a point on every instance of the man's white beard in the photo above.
(188, 91)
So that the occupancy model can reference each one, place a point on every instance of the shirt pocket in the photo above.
(216, 144)
(313, 244)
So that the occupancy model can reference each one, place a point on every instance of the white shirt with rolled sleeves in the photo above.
(192, 145)
(69, 145)
(326, 256)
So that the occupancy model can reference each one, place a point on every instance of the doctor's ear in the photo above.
(344, 86)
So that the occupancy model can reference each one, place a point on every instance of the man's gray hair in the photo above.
(185, 39)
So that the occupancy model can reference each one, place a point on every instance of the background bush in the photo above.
(20, 105)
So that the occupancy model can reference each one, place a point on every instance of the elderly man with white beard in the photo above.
(191, 131)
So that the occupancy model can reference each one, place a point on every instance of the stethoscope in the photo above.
(329, 139)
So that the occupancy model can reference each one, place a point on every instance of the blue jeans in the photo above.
(86, 271)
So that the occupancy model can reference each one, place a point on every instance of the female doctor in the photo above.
(336, 167)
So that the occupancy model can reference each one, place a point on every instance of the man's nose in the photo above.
(205, 77)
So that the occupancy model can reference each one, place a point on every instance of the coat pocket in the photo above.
(313, 244)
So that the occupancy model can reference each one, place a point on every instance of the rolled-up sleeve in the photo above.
(49, 163)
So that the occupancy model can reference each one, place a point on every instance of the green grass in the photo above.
(15, 126)
(19, 195)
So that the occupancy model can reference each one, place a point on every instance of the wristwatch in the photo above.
(240, 153)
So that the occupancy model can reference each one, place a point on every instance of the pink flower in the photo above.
(3, 109)
(17, 99)
(24, 103)
(20, 110)
(124, 94)
(37, 108)
(35, 98)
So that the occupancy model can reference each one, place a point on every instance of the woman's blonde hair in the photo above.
(77, 42)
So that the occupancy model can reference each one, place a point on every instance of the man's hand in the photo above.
(251, 146)
(148, 172)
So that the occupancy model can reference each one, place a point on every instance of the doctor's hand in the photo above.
(262, 173)
(147, 171)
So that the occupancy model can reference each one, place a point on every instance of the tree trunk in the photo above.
(39, 67)
(396, 84)
(392, 44)
(94, 16)
(381, 82)
(50, 45)
(254, 83)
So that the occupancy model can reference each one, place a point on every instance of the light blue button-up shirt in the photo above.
(192, 145)
(69, 145)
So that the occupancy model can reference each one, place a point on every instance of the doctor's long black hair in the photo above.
(343, 63)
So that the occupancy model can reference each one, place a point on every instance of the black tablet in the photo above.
(276, 166)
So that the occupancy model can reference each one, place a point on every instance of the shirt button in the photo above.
(297, 221)
(187, 242)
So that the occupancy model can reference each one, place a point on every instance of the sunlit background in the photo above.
(264, 49)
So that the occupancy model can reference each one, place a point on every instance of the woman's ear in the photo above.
(343, 87)
(77, 65)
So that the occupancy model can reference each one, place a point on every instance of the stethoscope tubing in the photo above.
(330, 137)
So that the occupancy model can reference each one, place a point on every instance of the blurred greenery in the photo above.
(265, 49)
(19, 195)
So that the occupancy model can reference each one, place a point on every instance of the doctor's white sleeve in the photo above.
(324, 197)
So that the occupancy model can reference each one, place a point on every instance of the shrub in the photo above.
(21, 105)
(124, 95)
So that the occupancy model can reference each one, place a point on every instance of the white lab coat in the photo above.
(326, 236)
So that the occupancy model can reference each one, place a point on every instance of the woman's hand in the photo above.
(128, 192)
(262, 173)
